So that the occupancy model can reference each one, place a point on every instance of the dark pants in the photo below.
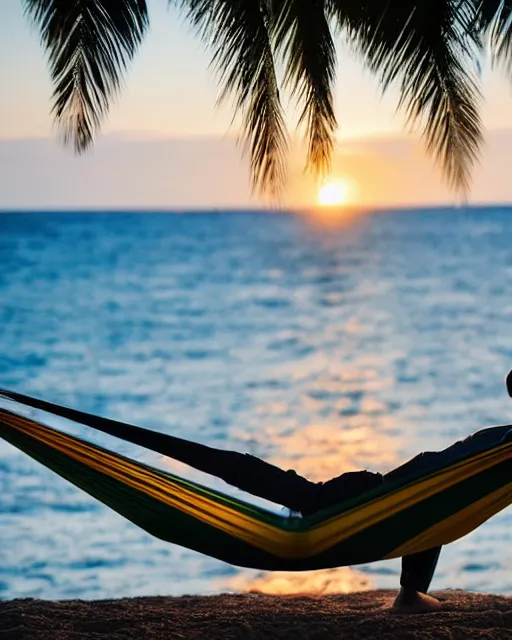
(418, 568)
(299, 494)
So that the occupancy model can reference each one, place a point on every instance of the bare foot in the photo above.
(414, 602)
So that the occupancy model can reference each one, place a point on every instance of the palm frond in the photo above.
(489, 11)
(237, 32)
(428, 48)
(89, 44)
(497, 19)
(303, 36)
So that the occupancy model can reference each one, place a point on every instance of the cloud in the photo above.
(136, 171)
(122, 172)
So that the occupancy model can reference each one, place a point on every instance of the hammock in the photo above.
(403, 517)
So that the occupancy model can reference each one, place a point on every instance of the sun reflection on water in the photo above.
(324, 451)
(340, 420)
(357, 430)
(342, 580)
(339, 423)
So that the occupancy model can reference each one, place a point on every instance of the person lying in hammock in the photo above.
(287, 488)
(295, 492)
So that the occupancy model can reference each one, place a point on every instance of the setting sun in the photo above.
(333, 193)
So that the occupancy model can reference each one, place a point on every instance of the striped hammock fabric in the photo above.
(401, 518)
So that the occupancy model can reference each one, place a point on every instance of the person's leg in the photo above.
(417, 573)
(418, 569)
(246, 472)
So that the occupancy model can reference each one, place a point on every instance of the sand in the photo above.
(355, 616)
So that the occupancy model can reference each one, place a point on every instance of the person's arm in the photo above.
(344, 487)
(267, 481)
(259, 478)
(244, 471)
(248, 473)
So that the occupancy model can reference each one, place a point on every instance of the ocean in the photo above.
(320, 343)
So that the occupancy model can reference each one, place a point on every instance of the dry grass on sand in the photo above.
(465, 616)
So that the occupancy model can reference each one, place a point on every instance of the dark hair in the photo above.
(508, 382)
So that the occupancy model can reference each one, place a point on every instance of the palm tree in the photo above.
(429, 49)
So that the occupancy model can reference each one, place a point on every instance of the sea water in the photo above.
(324, 344)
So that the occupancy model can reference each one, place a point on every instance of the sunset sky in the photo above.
(166, 145)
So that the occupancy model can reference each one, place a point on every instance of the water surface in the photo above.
(322, 347)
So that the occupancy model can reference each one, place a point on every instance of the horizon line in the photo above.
(242, 209)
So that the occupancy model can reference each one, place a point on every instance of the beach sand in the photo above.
(466, 616)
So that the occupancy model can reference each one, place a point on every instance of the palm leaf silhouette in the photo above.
(237, 32)
(89, 44)
(429, 50)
